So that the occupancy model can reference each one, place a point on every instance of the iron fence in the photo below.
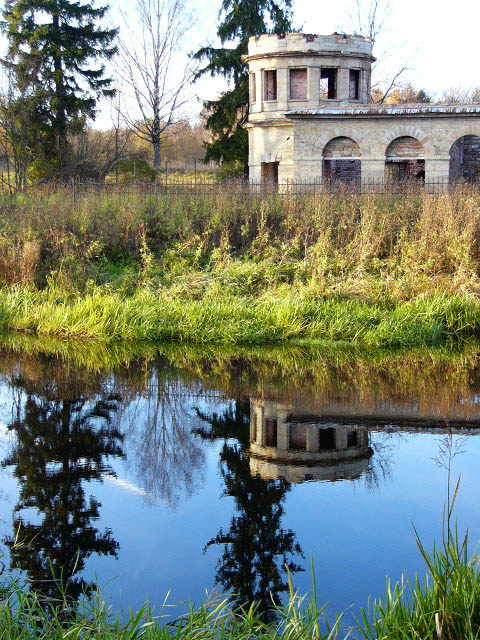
(215, 186)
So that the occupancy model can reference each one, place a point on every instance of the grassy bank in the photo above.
(224, 320)
(227, 266)
(445, 606)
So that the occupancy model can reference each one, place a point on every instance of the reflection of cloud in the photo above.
(4, 432)
(125, 484)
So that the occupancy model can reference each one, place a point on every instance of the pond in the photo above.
(182, 472)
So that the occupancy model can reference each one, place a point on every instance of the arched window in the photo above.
(405, 160)
(465, 159)
(341, 161)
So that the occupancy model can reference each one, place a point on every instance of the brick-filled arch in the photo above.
(341, 147)
(341, 161)
(405, 160)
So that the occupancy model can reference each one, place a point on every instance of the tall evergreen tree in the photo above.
(240, 19)
(53, 50)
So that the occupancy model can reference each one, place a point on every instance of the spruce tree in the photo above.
(239, 20)
(53, 51)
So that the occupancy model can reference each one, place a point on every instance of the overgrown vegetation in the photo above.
(223, 265)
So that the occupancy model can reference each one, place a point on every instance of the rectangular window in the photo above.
(298, 84)
(354, 84)
(253, 89)
(270, 432)
(352, 439)
(270, 87)
(298, 437)
(270, 172)
(326, 439)
(328, 84)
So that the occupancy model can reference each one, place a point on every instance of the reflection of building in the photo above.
(286, 444)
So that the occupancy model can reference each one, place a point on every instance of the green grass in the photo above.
(227, 320)
(227, 267)
(445, 605)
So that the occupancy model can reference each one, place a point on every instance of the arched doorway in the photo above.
(405, 160)
(465, 159)
(341, 161)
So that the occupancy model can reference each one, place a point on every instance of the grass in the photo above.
(443, 606)
(158, 317)
(226, 266)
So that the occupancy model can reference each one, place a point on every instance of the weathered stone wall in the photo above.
(291, 123)
(341, 147)
(374, 135)
(295, 64)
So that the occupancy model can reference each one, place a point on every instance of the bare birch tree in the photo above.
(370, 18)
(154, 70)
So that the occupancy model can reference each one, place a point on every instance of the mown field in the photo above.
(225, 266)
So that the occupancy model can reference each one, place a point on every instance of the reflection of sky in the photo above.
(357, 535)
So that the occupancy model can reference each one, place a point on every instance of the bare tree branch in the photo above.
(150, 67)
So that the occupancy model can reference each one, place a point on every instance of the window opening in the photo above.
(326, 439)
(298, 437)
(270, 172)
(328, 84)
(298, 84)
(270, 85)
(270, 432)
(354, 84)
(352, 439)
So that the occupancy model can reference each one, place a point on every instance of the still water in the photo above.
(193, 472)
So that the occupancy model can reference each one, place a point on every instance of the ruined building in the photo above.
(311, 119)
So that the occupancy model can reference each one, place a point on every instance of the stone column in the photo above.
(343, 84)
(313, 439)
(308, 171)
(313, 87)
(340, 438)
(282, 430)
(373, 169)
(258, 90)
(437, 169)
(282, 90)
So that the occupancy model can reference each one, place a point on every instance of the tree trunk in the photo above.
(61, 118)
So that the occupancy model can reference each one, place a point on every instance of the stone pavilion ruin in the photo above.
(311, 119)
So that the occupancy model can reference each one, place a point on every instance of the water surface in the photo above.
(193, 472)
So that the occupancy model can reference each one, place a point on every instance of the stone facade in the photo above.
(311, 116)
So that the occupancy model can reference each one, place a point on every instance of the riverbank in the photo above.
(229, 267)
(274, 317)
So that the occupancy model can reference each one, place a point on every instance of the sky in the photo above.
(438, 41)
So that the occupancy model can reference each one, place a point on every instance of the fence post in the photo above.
(73, 192)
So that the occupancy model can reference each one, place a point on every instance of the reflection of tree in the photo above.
(169, 459)
(60, 443)
(256, 549)
(380, 464)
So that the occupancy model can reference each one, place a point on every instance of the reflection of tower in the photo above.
(287, 444)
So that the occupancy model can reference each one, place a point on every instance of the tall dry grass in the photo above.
(348, 242)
